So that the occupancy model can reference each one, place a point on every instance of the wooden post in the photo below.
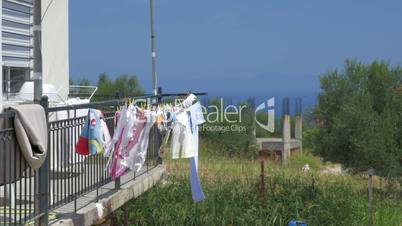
(262, 185)
(370, 195)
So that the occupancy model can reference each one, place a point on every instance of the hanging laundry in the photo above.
(137, 153)
(196, 119)
(184, 143)
(116, 169)
(182, 138)
(129, 145)
(130, 140)
(95, 135)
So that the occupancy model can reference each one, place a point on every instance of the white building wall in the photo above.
(16, 29)
(55, 42)
(1, 62)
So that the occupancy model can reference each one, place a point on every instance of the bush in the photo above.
(359, 120)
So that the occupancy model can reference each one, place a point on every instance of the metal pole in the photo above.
(37, 67)
(154, 76)
(42, 183)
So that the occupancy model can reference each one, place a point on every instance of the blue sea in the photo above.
(309, 99)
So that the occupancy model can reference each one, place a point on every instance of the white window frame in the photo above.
(1, 57)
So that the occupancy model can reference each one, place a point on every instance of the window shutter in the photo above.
(17, 38)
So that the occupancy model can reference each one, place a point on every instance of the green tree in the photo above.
(125, 85)
(359, 121)
(84, 82)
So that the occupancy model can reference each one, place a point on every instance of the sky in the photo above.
(232, 48)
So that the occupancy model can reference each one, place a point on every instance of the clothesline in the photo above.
(128, 147)
(117, 102)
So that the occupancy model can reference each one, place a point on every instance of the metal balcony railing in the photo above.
(27, 195)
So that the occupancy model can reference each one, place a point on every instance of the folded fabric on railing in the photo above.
(11, 160)
(32, 133)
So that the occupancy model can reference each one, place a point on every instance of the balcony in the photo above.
(68, 189)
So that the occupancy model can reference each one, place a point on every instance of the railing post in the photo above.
(117, 182)
(42, 179)
(159, 136)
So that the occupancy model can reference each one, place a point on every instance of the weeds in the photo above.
(231, 188)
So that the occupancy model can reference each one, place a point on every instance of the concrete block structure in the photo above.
(281, 149)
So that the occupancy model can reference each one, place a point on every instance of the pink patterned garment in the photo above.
(137, 129)
(117, 170)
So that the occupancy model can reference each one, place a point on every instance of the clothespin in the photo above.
(131, 101)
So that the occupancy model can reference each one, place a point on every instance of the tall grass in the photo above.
(232, 196)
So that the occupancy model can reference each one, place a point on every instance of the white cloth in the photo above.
(105, 135)
(182, 141)
(182, 117)
(189, 100)
(196, 115)
(196, 119)
(137, 156)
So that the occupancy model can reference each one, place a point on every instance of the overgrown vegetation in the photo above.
(231, 187)
(359, 118)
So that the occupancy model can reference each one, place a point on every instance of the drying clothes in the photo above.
(130, 140)
(196, 115)
(196, 189)
(131, 123)
(32, 133)
(137, 155)
(94, 136)
(136, 131)
(118, 128)
(116, 169)
(182, 141)
(182, 118)
(196, 119)
(105, 134)
(189, 101)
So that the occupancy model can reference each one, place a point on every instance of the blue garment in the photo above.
(91, 140)
(196, 189)
(196, 118)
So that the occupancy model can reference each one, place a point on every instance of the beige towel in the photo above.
(32, 133)
(12, 164)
